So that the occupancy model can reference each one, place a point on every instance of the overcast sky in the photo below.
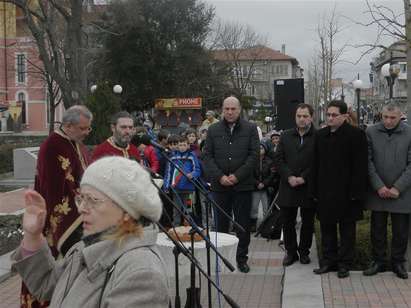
(293, 23)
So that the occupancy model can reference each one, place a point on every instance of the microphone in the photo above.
(159, 146)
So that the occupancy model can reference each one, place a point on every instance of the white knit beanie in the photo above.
(127, 184)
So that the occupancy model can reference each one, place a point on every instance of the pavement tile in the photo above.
(12, 201)
(383, 290)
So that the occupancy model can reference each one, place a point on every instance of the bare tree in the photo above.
(238, 47)
(329, 53)
(314, 87)
(54, 97)
(57, 28)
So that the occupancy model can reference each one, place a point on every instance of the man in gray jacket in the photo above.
(389, 148)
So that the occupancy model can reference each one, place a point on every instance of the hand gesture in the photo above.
(233, 179)
(292, 180)
(225, 181)
(300, 180)
(384, 192)
(394, 192)
(34, 217)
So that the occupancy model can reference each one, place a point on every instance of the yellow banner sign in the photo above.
(178, 103)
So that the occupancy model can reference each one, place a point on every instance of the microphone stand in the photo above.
(186, 253)
(196, 229)
(193, 297)
(197, 184)
(176, 252)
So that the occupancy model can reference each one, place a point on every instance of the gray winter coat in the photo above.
(138, 278)
(389, 164)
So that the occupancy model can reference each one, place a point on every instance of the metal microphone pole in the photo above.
(206, 238)
(195, 228)
(186, 253)
(176, 252)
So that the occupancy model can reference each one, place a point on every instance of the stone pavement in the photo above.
(262, 286)
(384, 290)
(12, 202)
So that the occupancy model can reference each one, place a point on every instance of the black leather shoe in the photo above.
(325, 269)
(374, 269)
(290, 259)
(243, 267)
(305, 259)
(343, 272)
(400, 271)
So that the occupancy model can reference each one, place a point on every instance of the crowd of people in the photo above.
(97, 213)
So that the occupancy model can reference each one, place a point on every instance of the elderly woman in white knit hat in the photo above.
(117, 263)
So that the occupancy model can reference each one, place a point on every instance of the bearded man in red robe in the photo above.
(122, 126)
(61, 162)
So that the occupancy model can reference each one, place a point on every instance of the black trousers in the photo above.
(399, 227)
(334, 254)
(239, 204)
(288, 216)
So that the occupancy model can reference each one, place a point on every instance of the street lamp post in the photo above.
(267, 121)
(357, 86)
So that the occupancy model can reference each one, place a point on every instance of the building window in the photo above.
(22, 102)
(280, 70)
(403, 68)
(21, 68)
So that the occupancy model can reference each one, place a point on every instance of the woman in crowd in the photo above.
(117, 263)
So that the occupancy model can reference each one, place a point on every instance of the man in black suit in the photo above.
(230, 157)
(294, 161)
(340, 177)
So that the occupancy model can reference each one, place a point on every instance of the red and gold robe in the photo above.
(60, 165)
(109, 148)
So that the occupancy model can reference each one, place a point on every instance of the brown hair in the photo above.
(126, 228)
(306, 106)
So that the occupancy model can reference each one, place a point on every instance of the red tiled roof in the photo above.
(253, 53)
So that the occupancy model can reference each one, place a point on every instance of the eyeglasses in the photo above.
(333, 115)
(85, 129)
(87, 202)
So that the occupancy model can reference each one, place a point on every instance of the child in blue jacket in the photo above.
(174, 180)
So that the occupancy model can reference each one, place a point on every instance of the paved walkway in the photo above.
(11, 202)
(384, 290)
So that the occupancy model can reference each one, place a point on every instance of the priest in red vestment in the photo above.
(61, 162)
(122, 126)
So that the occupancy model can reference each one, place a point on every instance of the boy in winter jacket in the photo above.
(174, 180)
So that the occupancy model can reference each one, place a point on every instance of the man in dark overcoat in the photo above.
(340, 175)
(294, 160)
(230, 157)
(389, 152)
